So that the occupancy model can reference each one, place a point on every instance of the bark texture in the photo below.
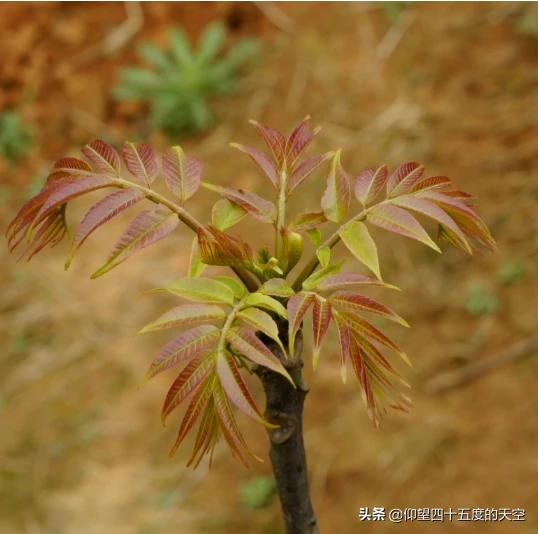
(284, 407)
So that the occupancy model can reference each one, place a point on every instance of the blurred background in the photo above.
(451, 85)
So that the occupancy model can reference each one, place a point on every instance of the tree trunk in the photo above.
(284, 407)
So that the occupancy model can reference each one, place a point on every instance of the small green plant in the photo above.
(15, 136)
(182, 80)
(510, 272)
(480, 300)
(253, 324)
(257, 492)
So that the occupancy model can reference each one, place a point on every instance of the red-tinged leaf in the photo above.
(404, 178)
(308, 221)
(188, 380)
(236, 388)
(364, 328)
(206, 437)
(432, 182)
(188, 345)
(181, 172)
(305, 169)
(357, 362)
(145, 229)
(348, 280)
(337, 196)
(245, 342)
(465, 216)
(186, 314)
(297, 307)
(103, 158)
(219, 248)
(321, 318)
(67, 189)
(228, 424)
(357, 303)
(344, 339)
(298, 140)
(431, 210)
(371, 352)
(369, 184)
(49, 233)
(258, 207)
(141, 161)
(27, 213)
(69, 167)
(460, 195)
(262, 160)
(100, 213)
(275, 141)
(197, 404)
(399, 221)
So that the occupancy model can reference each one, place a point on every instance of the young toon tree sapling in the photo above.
(251, 321)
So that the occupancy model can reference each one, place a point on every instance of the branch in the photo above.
(284, 407)
(185, 217)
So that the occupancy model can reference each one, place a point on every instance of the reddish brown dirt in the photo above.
(452, 85)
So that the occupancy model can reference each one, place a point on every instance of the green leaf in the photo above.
(260, 208)
(196, 265)
(226, 214)
(314, 235)
(186, 314)
(202, 290)
(337, 196)
(357, 239)
(236, 286)
(179, 46)
(211, 41)
(277, 287)
(262, 322)
(315, 278)
(258, 300)
(324, 255)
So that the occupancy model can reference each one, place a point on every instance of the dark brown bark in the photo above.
(284, 407)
